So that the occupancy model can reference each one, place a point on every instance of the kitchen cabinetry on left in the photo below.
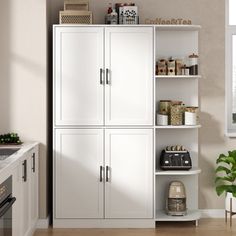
(25, 189)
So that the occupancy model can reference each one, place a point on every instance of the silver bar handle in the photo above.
(107, 173)
(24, 164)
(33, 159)
(101, 174)
(107, 76)
(101, 76)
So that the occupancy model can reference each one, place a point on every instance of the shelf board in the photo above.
(178, 126)
(192, 171)
(191, 216)
(178, 76)
(178, 27)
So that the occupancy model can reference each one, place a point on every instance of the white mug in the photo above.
(162, 119)
(190, 118)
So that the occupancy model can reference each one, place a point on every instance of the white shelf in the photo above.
(192, 171)
(191, 216)
(178, 76)
(178, 27)
(178, 126)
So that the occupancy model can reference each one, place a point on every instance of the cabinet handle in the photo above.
(33, 159)
(107, 76)
(101, 170)
(101, 76)
(24, 177)
(107, 173)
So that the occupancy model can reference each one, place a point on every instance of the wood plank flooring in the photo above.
(207, 227)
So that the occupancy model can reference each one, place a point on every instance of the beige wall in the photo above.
(210, 14)
(23, 76)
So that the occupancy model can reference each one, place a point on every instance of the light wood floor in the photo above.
(207, 227)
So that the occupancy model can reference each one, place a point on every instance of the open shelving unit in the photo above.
(192, 171)
(178, 41)
(192, 215)
(178, 76)
(178, 126)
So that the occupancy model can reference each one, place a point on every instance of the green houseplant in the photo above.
(225, 178)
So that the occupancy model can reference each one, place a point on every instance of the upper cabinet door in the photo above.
(129, 75)
(78, 85)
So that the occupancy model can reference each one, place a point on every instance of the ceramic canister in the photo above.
(190, 118)
(193, 64)
(164, 107)
(193, 110)
(162, 119)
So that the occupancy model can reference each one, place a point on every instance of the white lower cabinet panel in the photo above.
(78, 157)
(91, 162)
(129, 184)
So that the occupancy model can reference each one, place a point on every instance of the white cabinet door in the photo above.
(25, 195)
(34, 187)
(17, 206)
(129, 187)
(78, 91)
(78, 156)
(129, 75)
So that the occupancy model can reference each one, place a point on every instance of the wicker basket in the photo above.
(77, 5)
(76, 17)
(176, 114)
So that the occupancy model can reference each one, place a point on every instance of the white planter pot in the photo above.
(227, 202)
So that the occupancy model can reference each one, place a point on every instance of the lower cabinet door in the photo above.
(129, 173)
(25, 195)
(78, 155)
(34, 171)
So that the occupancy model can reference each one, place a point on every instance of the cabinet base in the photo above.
(103, 223)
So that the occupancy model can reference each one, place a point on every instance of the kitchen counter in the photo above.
(7, 165)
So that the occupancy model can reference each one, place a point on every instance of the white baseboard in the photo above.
(42, 223)
(103, 223)
(212, 213)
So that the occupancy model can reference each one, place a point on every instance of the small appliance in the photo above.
(176, 201)
(175, 158)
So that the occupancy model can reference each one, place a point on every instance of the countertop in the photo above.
(8, 165)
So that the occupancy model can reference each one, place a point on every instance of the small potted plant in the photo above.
(225, 179)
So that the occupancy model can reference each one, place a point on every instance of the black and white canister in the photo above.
(193, 64)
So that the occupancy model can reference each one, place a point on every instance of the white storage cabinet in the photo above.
(103, 126)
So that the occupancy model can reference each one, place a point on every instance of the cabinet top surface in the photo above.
(157, 27)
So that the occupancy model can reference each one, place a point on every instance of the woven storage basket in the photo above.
(78, 5)
(75, 17)
(176, 114)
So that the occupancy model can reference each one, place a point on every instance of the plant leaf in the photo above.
(223, 168)
(219, 158)
(222, 188)
(229, 160)
(225, 178)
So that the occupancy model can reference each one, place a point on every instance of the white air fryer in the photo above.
(176, 201)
